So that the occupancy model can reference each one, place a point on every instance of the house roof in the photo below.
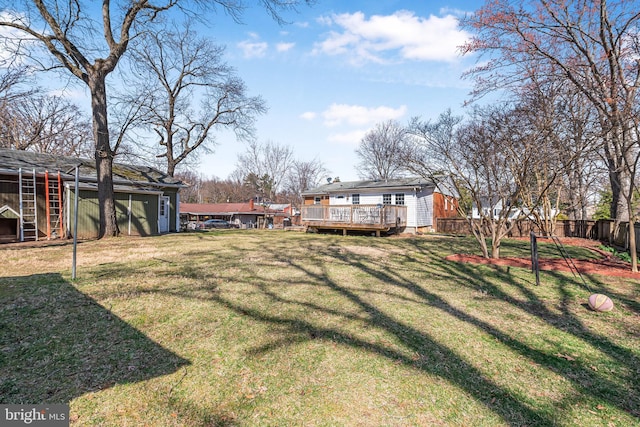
(340, 186)
(216, 208)
(13, 160)
(232, 208)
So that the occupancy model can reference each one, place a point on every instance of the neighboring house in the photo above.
(243, 215)
(497, 208)
(37, 196)
(406, 204)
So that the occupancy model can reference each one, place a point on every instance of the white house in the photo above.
(497, 208)
(416, 202)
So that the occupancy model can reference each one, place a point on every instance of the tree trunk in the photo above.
(171, 167)
(495, 249)
(103, 156)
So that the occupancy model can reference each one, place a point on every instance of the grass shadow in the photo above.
(58, 343)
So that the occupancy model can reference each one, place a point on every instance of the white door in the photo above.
(163, 215)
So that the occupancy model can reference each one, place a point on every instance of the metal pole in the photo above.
(75, 225)
(21, 205)
(535, 268)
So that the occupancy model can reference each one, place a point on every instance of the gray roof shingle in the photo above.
(336, 187)
(12, 160)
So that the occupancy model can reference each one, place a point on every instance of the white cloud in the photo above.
(351, 138)
(253, 48)
(12, 39)
(309, 115)
(357, 115)
(283, 47)
(453, 11)
(409, 36)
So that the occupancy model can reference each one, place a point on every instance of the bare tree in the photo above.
(490, 158)
(594, 47)
(380, 151)
(89, 42)
(264, 167)
(47, 124)
(583, 169)
(186, 91)
(302, 176)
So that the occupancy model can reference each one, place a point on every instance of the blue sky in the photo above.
(338, 69)
(335, 71)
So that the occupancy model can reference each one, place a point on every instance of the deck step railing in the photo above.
(378, 216)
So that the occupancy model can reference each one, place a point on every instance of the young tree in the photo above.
(489, 159)
(89, 42)
(175, 72)
(594, 47)
(380, 151)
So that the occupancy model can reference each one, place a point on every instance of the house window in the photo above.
(355, 199)
(162, 207)
(446, 203)
(386, 199)
(316, 200)
(400, 199)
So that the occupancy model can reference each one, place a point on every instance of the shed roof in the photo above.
(13, 160)
(340, 186)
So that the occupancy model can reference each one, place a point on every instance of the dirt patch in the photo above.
(365, 250)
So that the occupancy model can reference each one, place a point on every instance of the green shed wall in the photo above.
(144, 214)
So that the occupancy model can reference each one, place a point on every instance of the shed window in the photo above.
(386, 199)
(316, 200)
(163, 207)
(400, 199)
(355, 199)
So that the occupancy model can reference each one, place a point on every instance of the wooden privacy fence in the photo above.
(601, 230)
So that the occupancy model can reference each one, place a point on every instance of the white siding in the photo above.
(424, 208)
(411, 202)
(340, 199)
(370, 199)
(419, 207)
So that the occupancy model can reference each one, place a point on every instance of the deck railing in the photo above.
(355, 216)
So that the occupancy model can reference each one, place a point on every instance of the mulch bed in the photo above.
(606, 265)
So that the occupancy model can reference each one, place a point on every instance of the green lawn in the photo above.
(281, 328)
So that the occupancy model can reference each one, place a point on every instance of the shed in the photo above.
(39, 189)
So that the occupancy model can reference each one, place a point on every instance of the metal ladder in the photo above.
(28, 206)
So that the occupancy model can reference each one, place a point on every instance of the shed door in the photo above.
(163, 214)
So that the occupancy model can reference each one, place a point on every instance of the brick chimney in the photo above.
(251, 204)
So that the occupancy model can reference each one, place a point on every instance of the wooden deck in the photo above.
(375, 218)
